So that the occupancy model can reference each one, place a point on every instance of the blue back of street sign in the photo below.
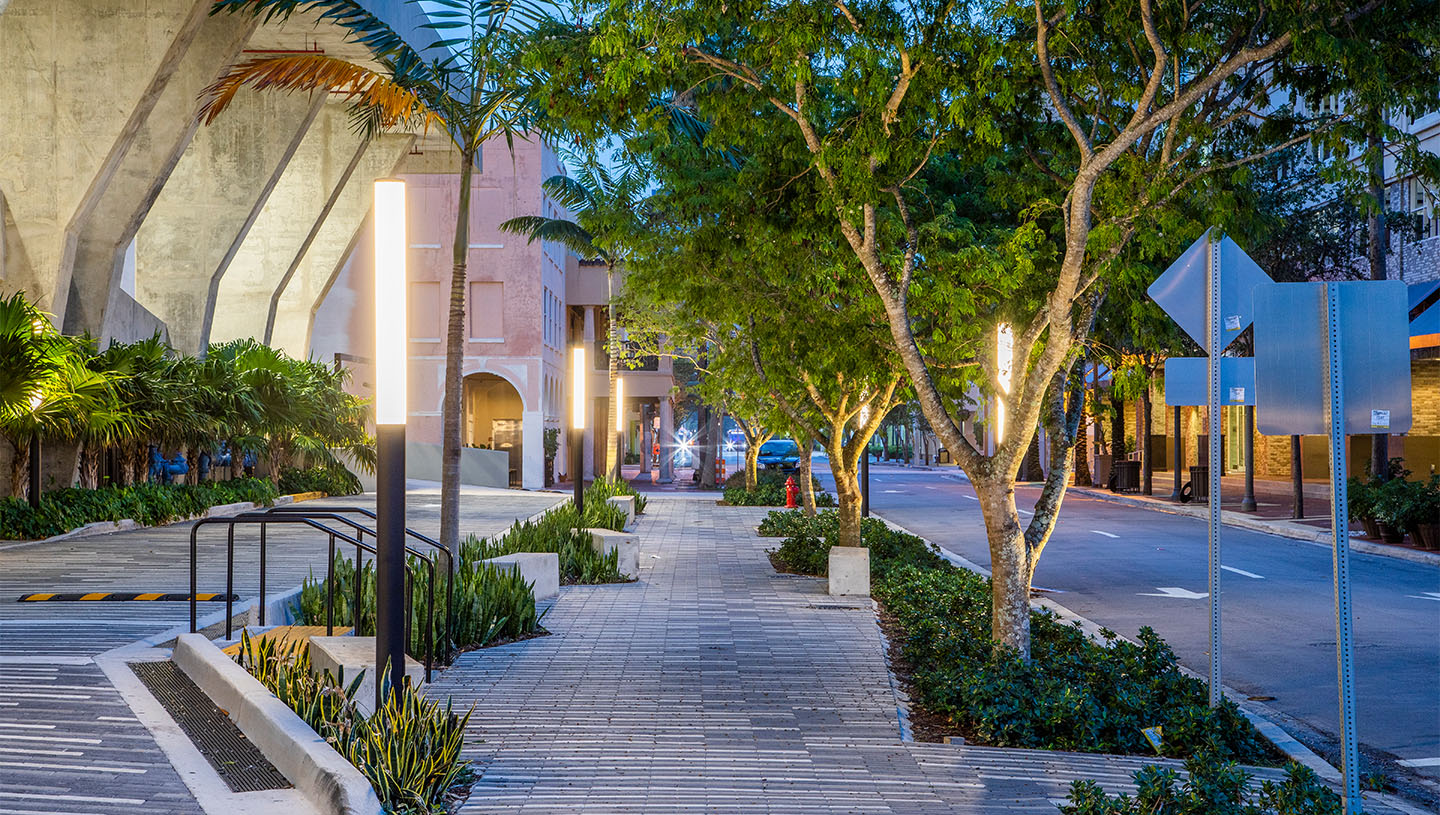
(1187, 381)
(1291, 352)
(1182, 290)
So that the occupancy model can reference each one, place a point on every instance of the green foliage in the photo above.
(150, 504)
(332, 480)
(806, 550)
(769, 491)
(605, 487)
(560, 531)
(1075, 693)
(1404, 504)
(409, 749)
(1211, 787)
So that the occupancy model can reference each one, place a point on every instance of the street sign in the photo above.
(1290, 357)
(1187, 381)
(1181, 290)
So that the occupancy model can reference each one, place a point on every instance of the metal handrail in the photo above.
(331, 511)
(263, 520)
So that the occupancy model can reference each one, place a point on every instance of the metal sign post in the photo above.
(1340, 523)
(1207, 291)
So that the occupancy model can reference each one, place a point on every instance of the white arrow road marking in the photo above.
(1420, 762)
(1242, 572)
(1106, 534)
(1176, 593)
(1429, 595)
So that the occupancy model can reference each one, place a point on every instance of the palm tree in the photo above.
(603, 204)
(474, 89)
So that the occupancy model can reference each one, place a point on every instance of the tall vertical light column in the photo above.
(1004, 350)
(391, 346)
(577, 423)
(619, 426)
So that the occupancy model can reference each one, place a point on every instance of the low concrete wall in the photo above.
(327, 779)
(606, 541)
(627, 505)
(849, 571)
(478, 468)
(540, 569)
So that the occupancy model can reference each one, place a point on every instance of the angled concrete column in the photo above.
(290, 312)
(667, 441)
(310, 184)
(107, 89)
(209, 204)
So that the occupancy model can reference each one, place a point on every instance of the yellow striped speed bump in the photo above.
(113, 596)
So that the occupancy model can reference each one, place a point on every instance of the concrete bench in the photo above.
(540, 569)
(626, 503)
(850, 570)
(356, 654)
(606, 541)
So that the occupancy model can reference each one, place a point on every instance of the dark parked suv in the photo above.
(780, 454)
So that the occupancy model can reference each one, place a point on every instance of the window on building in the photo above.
(487, 312)
(425, 319)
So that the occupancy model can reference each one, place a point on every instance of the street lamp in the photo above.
(619, 426)
(390, 360)
(577, 423)
(1004, 350)
(865, 465)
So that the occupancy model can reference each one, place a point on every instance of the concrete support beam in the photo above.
(210, 203)
(319, 167)
(104, 120)
(297, 295)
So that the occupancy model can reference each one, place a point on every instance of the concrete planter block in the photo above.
(850, 570)
(540, 569)
(606, 541)
(626, 503)
(356, 654)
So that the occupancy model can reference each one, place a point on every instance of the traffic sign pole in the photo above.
(1216, 465)
(1340, 526)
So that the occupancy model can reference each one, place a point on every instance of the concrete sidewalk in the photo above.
(714, 684)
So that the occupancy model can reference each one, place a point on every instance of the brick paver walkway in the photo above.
(714, 684)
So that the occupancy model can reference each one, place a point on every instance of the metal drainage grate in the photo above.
(233, 756)
(836, 607)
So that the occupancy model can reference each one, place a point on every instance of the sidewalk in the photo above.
(714, 684)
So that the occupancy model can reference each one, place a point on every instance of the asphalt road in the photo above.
(1116, 564)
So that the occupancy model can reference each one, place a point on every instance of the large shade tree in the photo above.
(467, 83)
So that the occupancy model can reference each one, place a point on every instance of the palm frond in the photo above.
(571, 193)
(567, 233)
(393, 103)
(364, 27)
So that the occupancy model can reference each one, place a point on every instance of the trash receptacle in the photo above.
(1126, 476)
(1200, 483)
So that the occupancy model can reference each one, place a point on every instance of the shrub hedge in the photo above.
(602, 488)
(1211, 787)
(769, 491)
(335, 480)
(150, 504)
(806, 550)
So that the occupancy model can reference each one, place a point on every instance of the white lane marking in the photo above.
(1106, 534)
(13, 737)
(72, 696)
(1242, 572)
(1025, 512)
(972, 498)
(1176, 593)
(928, 487)
(117, 718)
(8, 811)
(1419, 762)
(84, 768)
(1429, 595)
(30, 751)
(32, 726)
(896, 492)
(89, 799)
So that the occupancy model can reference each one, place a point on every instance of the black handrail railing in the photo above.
(264, 520)
(334, 512)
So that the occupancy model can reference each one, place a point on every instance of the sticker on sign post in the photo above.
(1380, 419)
(1237, 395)
(1232, 322)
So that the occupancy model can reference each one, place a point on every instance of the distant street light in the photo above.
(1004, 349)
(619, 425)
(390, 359)
(865, 466)
(577, 423)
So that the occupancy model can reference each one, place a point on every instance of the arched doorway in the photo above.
(494, 418)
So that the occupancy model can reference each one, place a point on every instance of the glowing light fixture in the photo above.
(577, 386)
(619, 404)
(1004, 350)
(390, 311)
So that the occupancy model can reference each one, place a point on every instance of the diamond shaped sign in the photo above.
(1182, 290)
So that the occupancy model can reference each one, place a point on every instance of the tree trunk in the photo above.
(1297, 479)
(1030, 469)
(1143, 435)
(452, 405)
(1378, 242)
(1117, 428)
(847, 493)
(807, 483)
(1010, 566)
(710, 448)
(612, 344)
(20, 469)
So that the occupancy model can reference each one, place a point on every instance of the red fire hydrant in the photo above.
(790, 492)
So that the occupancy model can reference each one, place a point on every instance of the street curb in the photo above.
(330, 782)
(1285, 529)
(129, 524)
(1256, 713)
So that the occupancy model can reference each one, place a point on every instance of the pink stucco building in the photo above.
(526, 303)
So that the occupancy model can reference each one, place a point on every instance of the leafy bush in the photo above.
(1211, 786)
(560, 531)
(807, 549)
(1074, 693)
(769, 491)
(602, 488)
(150, 504)
(336, 480)
(409, 749)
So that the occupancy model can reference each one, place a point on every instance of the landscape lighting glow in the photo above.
(390, 311)
(577, 379)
